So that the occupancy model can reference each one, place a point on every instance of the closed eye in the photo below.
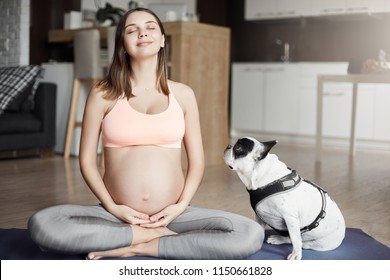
(130, 30)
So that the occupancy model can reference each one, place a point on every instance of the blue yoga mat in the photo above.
(16, 244)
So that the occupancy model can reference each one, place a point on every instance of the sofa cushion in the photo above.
(21, 122)
(16, 84)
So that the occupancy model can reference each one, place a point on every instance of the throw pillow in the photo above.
(15, 81)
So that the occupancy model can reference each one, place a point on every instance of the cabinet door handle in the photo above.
(334, 10)
(334, 94)
(249, 69)
(279, 69)
(261, 14)
(287, 13)
(357, 9)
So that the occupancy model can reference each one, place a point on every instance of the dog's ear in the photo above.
(267, 147)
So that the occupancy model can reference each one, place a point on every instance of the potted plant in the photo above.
(109, 15)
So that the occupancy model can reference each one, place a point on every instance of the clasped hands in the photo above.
(160, 219)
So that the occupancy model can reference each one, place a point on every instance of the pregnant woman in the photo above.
(144, 195)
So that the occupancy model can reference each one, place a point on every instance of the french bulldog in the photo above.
(302, 212)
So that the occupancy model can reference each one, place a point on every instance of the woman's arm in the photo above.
(94, 112)
(194, 148)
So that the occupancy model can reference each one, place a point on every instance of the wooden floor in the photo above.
(361, 187)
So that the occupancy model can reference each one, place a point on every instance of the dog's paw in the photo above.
(278, 239)
(295, 256)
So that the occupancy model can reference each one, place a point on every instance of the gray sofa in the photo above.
(28, 123)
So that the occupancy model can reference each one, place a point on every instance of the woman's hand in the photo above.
(129, 215)
(165, 216)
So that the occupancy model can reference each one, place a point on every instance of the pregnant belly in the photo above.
(146, 183)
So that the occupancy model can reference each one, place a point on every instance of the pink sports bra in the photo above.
(124, 126)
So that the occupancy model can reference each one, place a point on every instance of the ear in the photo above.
(162, 41)
(267, 147)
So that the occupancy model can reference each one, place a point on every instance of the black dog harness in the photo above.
(283, 184)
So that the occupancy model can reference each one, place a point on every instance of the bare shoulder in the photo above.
(183, 94)
(97, 100)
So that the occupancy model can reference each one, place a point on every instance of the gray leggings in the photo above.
(202, 233)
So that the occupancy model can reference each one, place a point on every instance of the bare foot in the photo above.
(115, 253)
(146, 248)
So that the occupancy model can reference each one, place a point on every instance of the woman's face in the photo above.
(143, 37)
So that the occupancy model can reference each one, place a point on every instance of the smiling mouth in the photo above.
(143, 44)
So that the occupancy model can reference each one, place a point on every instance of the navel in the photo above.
(145, 197)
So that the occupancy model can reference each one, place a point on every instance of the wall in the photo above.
(14, 32)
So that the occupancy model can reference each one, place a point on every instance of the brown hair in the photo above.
(117, 82)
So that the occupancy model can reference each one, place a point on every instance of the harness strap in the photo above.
(286, 183)
(283, 184)
(322, 213)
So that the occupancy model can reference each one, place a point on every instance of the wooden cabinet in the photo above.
(199, 56)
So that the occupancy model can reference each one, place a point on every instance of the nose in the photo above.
(229, 146)
(143, 33)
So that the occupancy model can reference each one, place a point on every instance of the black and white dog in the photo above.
(302, 212)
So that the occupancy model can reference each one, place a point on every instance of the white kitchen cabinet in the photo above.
(247, 99)
(373, 114)
(337, 110)
(364, 6)
(292, 8)
(271, 9)
(308, 89)
(274, 9)
(365, 111)
(381, 120)
(327, 7)
(260, 9)
(281, 102)
(336, 7)
(264, 97)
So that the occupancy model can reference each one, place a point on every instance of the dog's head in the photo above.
(246, 152)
